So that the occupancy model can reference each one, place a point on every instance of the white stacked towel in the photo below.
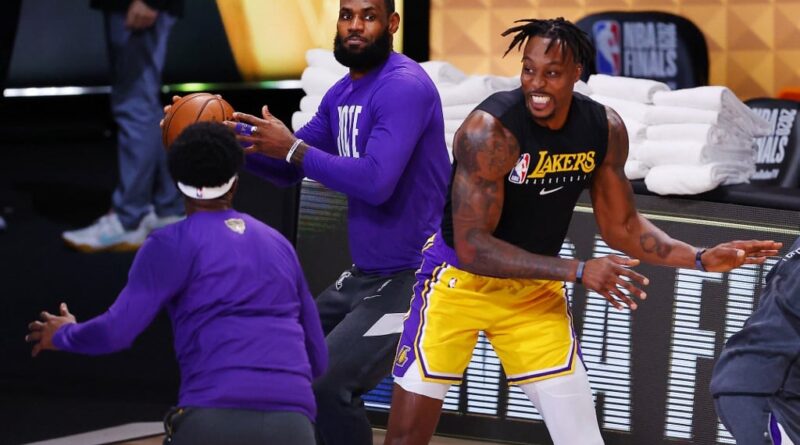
(316, 80)
(677, 179)
(691, 152)
(443, 73)
(715, 98)
(689, 128)
(634, 90)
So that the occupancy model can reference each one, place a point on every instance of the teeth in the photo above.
(540, 99)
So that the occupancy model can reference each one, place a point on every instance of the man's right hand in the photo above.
(167, 108)
(140, 16)
(607, 276)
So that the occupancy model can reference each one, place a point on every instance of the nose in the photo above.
(356, 24)
(537, 81)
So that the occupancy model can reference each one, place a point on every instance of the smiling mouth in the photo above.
(539, 99)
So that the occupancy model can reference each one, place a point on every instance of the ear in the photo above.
(578, 71)
(394, 22)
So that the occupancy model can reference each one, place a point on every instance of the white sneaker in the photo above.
(152, 221)
(106, 234)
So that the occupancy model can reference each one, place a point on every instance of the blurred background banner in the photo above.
(61, 43)
(753, 45)
(269, 38)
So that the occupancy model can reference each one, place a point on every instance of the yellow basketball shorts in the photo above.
(528, 323)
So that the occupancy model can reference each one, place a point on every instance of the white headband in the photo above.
(206, 192)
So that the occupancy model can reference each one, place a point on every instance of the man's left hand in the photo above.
(268, 135)
(730, 255)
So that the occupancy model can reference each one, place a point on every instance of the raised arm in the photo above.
(401, 110)
(623, 228)
(155, 276)
(485, 152)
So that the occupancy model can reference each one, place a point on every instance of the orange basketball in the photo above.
(196, 107)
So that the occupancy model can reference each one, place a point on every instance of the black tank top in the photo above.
(553, 168)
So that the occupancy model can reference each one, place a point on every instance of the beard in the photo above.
(369, 57)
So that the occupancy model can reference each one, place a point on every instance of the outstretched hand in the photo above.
(606, 276)
(266, 135)
(726, 256)
(41, 332)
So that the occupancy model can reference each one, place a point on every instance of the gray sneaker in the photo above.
(106, 234)
(153, 221)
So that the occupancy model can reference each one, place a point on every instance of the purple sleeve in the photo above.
(312, 326)
(155, 276)
(402, 108)
(276, 171)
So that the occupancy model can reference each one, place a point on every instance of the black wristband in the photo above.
(698, 262)
(579, 273)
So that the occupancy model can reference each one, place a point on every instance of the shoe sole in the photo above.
(121, 247)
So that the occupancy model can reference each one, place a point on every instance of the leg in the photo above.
(137, 59)
(335, 302)
(416, 407)
(565, 402)
(357, 362)
(746, 417)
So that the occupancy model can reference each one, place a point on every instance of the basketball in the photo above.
(196, 107)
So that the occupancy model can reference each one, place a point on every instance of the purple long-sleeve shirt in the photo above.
(247, 331)
(380, 141)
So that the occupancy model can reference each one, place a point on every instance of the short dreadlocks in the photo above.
(557, 30)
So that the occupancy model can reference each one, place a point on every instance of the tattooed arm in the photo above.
(623, 228)
(486, 151)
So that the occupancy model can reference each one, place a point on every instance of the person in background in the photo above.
(145, 198)
(522, 159)
(247, 333)
(378, 137)
(756, 381)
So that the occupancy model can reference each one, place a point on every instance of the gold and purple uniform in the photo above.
(527, 321)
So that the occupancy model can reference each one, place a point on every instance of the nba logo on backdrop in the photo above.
(608, 40)
(520, 171)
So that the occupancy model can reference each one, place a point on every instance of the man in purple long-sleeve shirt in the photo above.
(378, 137)
(247, 333)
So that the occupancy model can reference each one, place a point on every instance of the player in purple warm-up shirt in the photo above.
(378, 137)
(247, 333)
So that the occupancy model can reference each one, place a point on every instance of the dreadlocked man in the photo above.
(522, 159)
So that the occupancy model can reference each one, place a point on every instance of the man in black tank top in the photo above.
(522, 159)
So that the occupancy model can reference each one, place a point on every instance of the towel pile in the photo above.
(685, 141)
(459, 92)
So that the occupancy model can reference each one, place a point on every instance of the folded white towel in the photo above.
(323, 58)
(300, 118)
(658, 115)
(716, 98)
(636, 169)
(443, 72)
(451, 125)
(667, 152)
(316, 80)
(458, 111)
(706, 133)
(310, 104)
(449, 140)
(583, 88)
(628, 88)
(693, 179)
(627, 110)
(637, 131)
(473, 90)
